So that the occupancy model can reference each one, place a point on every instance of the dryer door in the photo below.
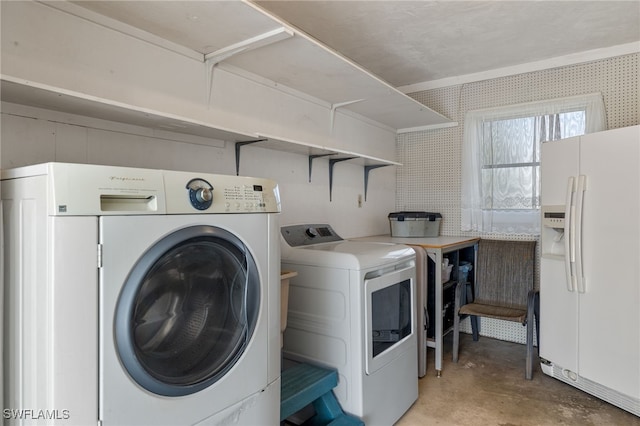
(390, 327)
(187, 310)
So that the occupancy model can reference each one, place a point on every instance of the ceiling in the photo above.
(411, 42)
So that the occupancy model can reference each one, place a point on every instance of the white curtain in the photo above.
(508, 135)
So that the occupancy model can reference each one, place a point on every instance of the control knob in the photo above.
(200, 193)
(204, 195)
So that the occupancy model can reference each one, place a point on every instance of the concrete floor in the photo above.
(487, 387)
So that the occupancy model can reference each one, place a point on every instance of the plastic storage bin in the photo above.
(415, 224)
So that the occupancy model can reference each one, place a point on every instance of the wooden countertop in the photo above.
(426, 242)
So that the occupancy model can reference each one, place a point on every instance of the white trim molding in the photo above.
(560, 61)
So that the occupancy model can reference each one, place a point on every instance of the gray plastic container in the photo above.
(415, 224)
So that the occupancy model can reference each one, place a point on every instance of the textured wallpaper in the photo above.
(430, 178)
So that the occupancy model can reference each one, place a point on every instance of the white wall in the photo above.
(30, 135)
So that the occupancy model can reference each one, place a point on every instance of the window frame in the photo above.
(474, 215)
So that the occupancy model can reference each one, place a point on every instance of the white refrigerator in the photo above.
(590, 264)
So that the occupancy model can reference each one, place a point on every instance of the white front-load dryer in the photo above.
(141, 297)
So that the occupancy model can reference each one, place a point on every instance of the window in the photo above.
(501, 159)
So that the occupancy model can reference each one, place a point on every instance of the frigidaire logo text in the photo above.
(126, 179)
(31, 414)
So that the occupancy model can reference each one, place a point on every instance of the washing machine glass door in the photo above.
(187, 310)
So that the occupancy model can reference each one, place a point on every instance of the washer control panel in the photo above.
(208, 193)
(244, 198)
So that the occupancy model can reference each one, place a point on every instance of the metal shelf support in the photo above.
(367, 169)
(238, 146)
(313, 157)
(332, 163)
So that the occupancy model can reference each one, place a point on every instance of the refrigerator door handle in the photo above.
(569, 232)
(582, 185)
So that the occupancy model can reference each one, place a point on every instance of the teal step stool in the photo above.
(306, 384)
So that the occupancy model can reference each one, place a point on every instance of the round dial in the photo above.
(200, 193)
(312, 232)
(204, 195)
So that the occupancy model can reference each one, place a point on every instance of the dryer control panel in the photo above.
(306, 234)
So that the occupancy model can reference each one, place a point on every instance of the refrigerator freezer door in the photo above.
(609, 340)
(558, 305)
(559, 161)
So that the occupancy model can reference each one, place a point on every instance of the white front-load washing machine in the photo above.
(140, 297)
(352, 308)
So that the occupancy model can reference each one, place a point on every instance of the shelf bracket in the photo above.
(240, 145)
(210, 69)
(367, 169)
(332, 162)
(212, 59)
(252, 43)
(334, 107)
(313, 157)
